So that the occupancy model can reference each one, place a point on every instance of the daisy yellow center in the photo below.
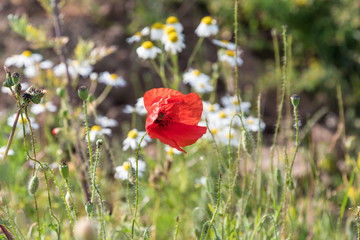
(22, 120)
(126, 166)
(207, 20)
(236, 102)
(214, 131)
(26, 53)
(147, 45)
(230, 136)
(138, 34)
(172, 20)
(132, 134)
(170, 151)
(250, 121)
(173, 37)
(224, 41)
(201, 85)
(230, 53)
(157, 25)
(169, 30)
(211, 108)
(113, 76)
(196, 72)
(96, 128)
(222, 114)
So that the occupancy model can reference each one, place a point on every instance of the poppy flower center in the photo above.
(126, 166)
(162, 119)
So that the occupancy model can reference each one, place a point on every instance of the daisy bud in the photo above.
(85, 230)
(8, 80)
(15, 77)
(279, 177)
(37, 96)
(64, 170)
(89, 206)
(99, 142)
(91, 98)
(83, 93)
(247, 142)
(33, 185)
(64, 113)
(295, 100)
(60, 92)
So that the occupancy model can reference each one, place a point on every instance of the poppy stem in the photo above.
(193, 54)
(137, 186)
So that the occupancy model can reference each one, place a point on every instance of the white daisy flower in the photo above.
(26, 59)
(47, 64)
(122, 172)
(2, 152)
(31, 71)
(133, 139)
(97, 131)
(34, 125)
(171, 151)
(252, 124)
(202, 86)
(230, 57)
(224, 44)
(82, 68)
(207, 27)
(138, 35)
(140, 107)
(107, 122)
(94, 76)
(147, 50)
(194, 75)
(167, 31)
(60, 70)
(224, 137)
(174, 22)
(157, 31)
(232, 102)
(42, 107)
(201, 181)
(112, 79)
(174, 44)
(128, 109)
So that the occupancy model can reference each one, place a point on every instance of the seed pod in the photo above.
(37, 96)
(60, 92)
(8, 80)
(247, 142)
(33, 185)
(91, 98)
(295, 100)
(83, 93)
(15, 77)
(99, 142)
(64, 170)
(279, 177)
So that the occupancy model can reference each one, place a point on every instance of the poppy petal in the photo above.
(156, 94)
(189, 111)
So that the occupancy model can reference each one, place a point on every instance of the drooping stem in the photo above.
(103, 95)
(11, 135)
(137, 186)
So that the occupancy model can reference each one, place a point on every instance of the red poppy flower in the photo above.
(173, 117)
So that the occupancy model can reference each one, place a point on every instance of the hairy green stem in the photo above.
(71, 198)
(103, 95)
(160, 71)
(11, 135)
(195, 51)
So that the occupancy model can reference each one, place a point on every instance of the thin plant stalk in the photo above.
(160, 72)
(103, 95)
(11, 222)
(137, 185)
(102, 233)
(177, 228)
(37, 215)
(71, 198)
(11, 135)
(258, 151)
(195, 51)
(174, 59)
(297, 143)
(94, 174)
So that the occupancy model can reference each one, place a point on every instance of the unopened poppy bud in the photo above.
(85, 229)
(33, 185)
(295, 100)
(83, 93)
(18, 88)
(89, 206)
(8, 80)
(60, 92)
(68, 200)
(64, 113)
(56, 131)
(290, 183)
(99, 142)
(247, 142)
(279, 177)
(37, 96)
(15, 77)
(91, 98)
(64, 170)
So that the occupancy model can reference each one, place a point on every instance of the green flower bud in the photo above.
(99, 142)
(279, 177)
(60, 92)
(64, 170)
(18, 88)
(37, 96)
(64, 113)
(15, 77)
(247, 142)
(91, 98)
(89, 206)
(295, 100)
(33, 185)
(8, 80)
(83, 93)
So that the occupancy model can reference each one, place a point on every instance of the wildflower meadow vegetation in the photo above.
(179, 120)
